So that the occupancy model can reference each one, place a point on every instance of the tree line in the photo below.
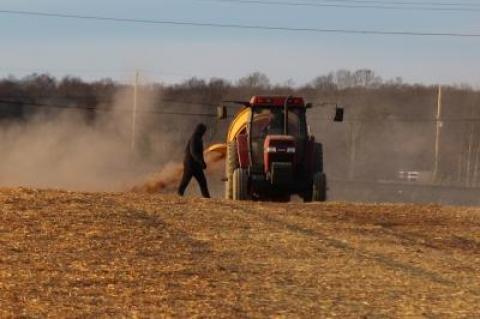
(390, 125)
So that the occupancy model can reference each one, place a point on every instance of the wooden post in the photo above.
(134, 113)
(439, 125)
(459, 169)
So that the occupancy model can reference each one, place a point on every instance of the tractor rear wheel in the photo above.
(240, 184)
(319, 187)
(231, 164)
(308, 194)
(317, 158)
(316, 187)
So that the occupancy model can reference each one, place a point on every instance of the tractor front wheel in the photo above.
(231, 164)
(240, 184)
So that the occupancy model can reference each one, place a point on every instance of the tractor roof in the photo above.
(274, 101)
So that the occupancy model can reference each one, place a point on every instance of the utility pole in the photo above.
(439, 125)
(476, 166)
(355, 130)
(134, 113)
(469, 177)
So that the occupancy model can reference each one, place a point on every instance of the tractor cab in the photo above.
(277, 128)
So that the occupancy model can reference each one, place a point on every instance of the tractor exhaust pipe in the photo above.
(285, 116)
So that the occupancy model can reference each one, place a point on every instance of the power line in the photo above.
(92, 108)
(408, 120)
(352, 120)
(408, 3)
(384, 6)
(243, 26)
(423, 3)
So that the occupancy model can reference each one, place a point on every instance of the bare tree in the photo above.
(256, 80)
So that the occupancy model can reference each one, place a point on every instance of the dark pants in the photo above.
(196, 172)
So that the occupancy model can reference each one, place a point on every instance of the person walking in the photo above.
(194, 163)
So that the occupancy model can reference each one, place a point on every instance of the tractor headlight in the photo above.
(271, 149)
(291, 150)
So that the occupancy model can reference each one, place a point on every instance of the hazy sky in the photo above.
(97, 49)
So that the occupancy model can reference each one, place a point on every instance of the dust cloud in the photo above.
(65, 149)
(168, 178)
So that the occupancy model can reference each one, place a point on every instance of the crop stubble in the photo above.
(65, 254)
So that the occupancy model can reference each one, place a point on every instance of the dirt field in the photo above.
(130, 255)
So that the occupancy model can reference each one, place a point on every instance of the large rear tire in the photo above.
(316, 187)
(317, 158)
(231, 164)
(240, 184)
(308, 193)
(319, 187)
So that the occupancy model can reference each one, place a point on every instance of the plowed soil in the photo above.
(65, 254)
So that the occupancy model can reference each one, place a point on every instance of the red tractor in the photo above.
(270, 152)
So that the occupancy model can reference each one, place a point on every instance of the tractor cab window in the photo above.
(297, 126)
(270, 121)
(267, 122)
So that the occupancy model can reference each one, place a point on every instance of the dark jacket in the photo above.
(194, 150)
